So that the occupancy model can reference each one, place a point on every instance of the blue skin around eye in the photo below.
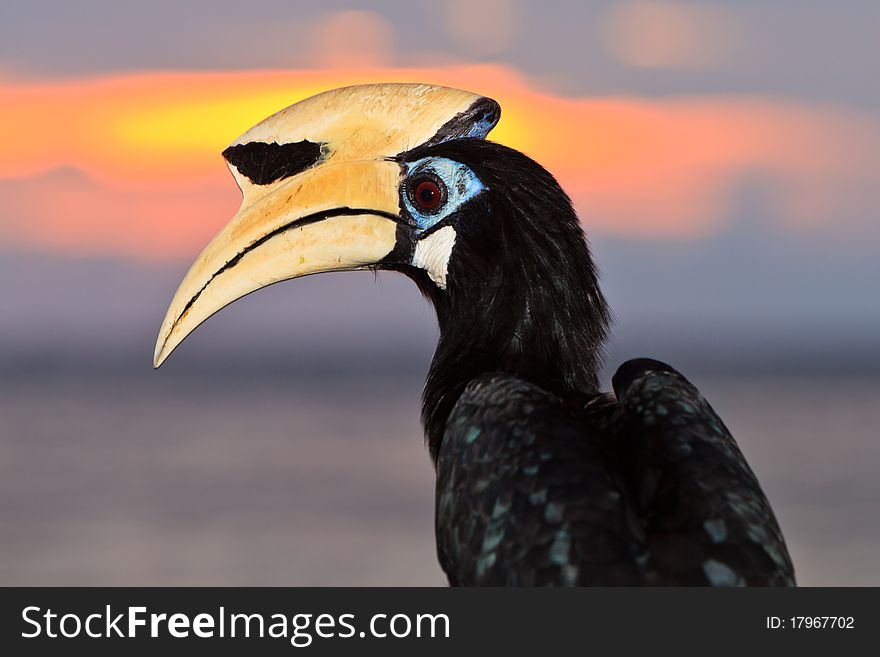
(461, 186)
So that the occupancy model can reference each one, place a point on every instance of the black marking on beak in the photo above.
(263, 163)
(475, 122)
(404, 246)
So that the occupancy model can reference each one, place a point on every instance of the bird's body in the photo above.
(541, 478)
(647, 488)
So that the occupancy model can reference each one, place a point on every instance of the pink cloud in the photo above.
(129, 164)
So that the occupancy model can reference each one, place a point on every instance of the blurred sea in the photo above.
(235, 478)
(281, 444)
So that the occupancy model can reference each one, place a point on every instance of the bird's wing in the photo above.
(706, 519)
(522, 497)
(650, 489)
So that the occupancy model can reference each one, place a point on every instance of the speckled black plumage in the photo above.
(541, 478)
(648, 488)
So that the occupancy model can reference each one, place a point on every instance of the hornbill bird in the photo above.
(542, 479)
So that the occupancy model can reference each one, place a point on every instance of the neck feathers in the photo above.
(522, 294)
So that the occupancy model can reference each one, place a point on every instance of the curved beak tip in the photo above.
(341, 214)
(158, 356)
(161, 351)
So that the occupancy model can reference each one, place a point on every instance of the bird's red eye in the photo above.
(428, 194)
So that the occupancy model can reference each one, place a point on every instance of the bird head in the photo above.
(400, 177)
(326, 187)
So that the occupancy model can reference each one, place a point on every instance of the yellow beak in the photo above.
(337, 217)
(341, 213)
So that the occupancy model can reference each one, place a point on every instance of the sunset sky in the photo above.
(690, 135)
(113, 153)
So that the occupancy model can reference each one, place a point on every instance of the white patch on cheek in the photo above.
(432, 254)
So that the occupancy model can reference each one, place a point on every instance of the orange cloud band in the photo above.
(148, 148)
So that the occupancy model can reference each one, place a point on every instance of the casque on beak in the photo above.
(320, 183)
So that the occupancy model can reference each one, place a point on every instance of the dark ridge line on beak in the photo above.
(302, 221)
